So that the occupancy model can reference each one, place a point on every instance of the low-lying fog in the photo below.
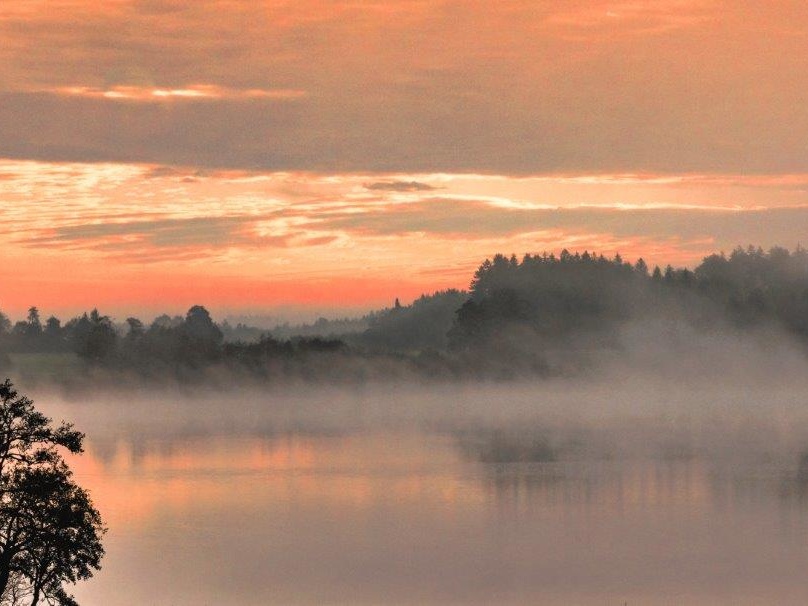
(672, 472)
(719, 397)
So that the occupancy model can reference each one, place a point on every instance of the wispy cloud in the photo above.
(400, 186)
(163, 212)
(196, 92)
(649, 17)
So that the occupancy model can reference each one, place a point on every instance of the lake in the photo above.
(332, 498)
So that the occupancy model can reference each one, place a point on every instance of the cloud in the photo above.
(469, 219)
(160, 239)
(196, 92)
(526, 87)
(648, 18)
(159, 172)
(159, 232)
(399, 186)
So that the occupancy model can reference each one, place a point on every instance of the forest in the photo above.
(541, 315)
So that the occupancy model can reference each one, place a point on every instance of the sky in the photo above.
(333, 155)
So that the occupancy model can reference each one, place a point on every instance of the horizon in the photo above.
(298, 315)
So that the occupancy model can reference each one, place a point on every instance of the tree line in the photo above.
(514, 313)
(558, 296)
(194, 341)
(528, 311)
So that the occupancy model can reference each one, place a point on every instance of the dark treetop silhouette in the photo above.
(50, 533)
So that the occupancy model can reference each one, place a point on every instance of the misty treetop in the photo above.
(587, 284)
(520, 310)
(552, 295)
(754, 286)
(515, 313)
(420, 326)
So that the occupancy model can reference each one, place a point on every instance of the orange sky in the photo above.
(155, 154)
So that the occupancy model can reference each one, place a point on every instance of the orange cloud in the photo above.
(194, 92)
(516, 88)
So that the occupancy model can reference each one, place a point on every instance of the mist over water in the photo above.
(671, 472)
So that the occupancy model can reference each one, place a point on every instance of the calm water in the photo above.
(256, 512)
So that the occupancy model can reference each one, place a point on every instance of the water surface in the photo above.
(205, 511)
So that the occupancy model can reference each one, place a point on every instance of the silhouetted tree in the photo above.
(92, 336)
(53, 327)
(50, 533)
(136, 329)
(200, 327)
(52, 337)
(201, 339)
(34, 328)
(641, 267)
(166, 321)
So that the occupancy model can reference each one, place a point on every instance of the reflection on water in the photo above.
(409, 517)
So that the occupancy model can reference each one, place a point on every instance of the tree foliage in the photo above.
(547, 296)
(50, 532)
(419, 326)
